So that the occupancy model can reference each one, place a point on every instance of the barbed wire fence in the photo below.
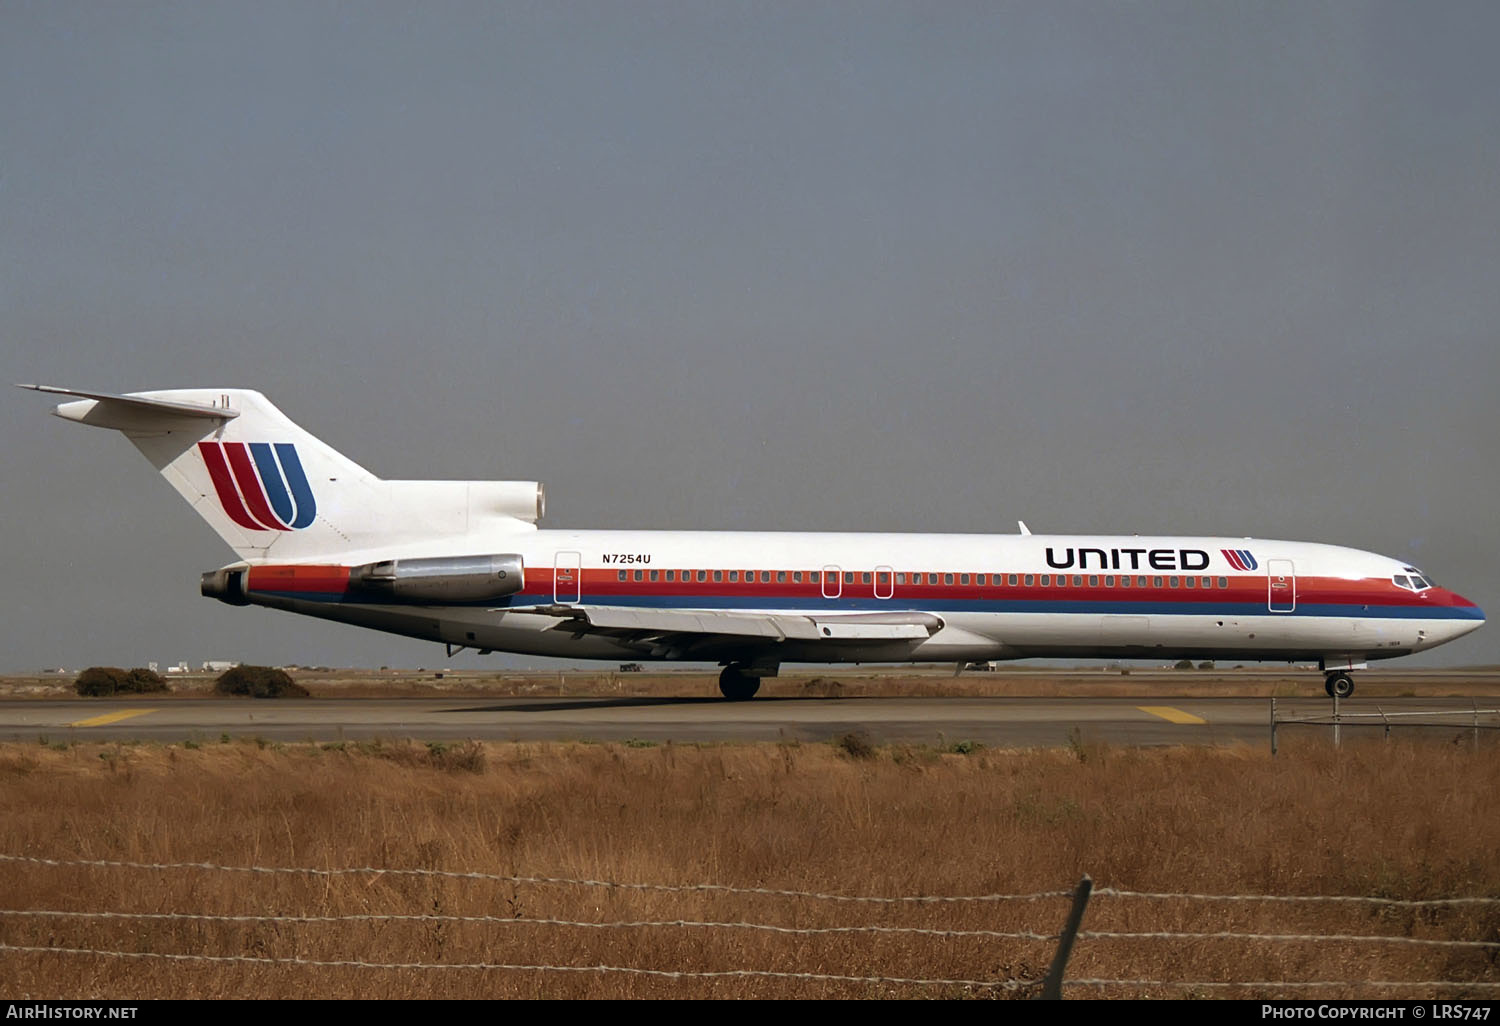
(1474, 723)
(1485, 984)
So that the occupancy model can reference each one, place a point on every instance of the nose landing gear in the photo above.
(1338, 685)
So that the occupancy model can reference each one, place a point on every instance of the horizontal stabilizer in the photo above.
(135, 403)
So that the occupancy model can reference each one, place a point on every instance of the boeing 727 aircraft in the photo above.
(463, 563)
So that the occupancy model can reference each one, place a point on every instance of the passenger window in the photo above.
(1223, 582)
(1029, 579)
(1046, 580)
(1156, 582)
(1208, 582)
(1077, 581)
(900, 578)
(656, 575)
(1093, 581)
(622, 575)
(981, 579)
(638, 575)
(947, 578)
(702, 576)
(963, 578)
(1140, 582)
(1172, 582)
(734, 575)
(1013, 580)
(812, 576)
(718, 575)
(932, 578)
(1124, 582)
(865, 577)
(1191, 582)
(1109, 582)
(781, 577)
(765, 577)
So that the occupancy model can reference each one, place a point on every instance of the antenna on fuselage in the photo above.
(1022, 525)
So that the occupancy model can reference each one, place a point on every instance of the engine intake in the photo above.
(442, 579)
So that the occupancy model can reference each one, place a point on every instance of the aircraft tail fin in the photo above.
(273, 491)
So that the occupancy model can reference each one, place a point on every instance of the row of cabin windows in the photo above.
(979, 580)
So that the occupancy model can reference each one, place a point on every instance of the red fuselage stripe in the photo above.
(1374, 592)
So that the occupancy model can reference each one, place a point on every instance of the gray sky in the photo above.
(1198, 268)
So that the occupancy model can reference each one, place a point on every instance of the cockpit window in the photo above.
(1416, 582)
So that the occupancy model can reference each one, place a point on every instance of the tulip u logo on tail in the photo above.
(261, 485)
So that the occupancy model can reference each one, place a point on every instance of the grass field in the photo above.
(1399, 820)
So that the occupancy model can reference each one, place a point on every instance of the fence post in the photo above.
(1336, 721)
(1273, 726)
(1052, 985)
(1475, 703)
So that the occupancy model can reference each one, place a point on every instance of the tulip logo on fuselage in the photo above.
(1240, 559)
(261, 485)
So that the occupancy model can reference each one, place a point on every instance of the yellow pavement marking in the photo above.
(1166, 712)
(114, 717)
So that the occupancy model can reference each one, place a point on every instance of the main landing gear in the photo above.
(1338, 685)
(739, 682)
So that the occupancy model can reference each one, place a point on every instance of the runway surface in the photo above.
(996, 722)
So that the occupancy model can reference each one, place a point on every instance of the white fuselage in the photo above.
(997, 596)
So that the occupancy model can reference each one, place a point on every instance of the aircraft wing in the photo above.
(669, 629)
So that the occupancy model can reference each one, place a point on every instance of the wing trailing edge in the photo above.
(699, 623)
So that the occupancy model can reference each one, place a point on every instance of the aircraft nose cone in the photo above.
(1470, 617)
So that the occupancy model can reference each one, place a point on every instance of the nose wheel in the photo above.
(1338, 685)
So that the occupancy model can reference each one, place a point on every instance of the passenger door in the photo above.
(1281, 586)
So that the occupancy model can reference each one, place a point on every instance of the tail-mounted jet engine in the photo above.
(443, 579)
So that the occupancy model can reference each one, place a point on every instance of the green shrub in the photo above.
(856, 744)
(99, 681)
(144, 681)
(467, 756)
(259, 682)
(104, 681)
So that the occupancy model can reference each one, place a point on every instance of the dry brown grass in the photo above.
(1396, 820)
